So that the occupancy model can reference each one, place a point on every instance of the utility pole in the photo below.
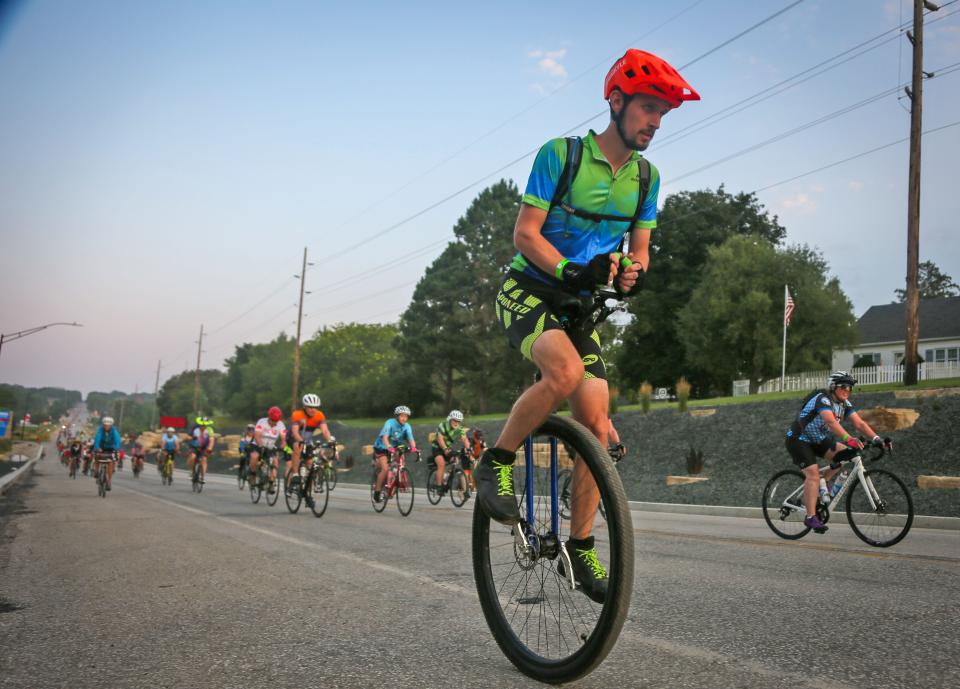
(915, 94)
(196, 376)
(296, 347)
(156, 391)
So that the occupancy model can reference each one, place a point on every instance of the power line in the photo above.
(396, 225)
(796, 130)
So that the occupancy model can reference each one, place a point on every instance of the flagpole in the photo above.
(783, 367)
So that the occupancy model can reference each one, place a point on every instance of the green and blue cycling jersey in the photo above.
(595, 189)
(396, 433)
(816, 430)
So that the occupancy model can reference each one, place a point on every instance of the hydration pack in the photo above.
(800, 424)
(570, 168)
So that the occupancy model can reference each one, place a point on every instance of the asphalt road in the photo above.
(158, 587)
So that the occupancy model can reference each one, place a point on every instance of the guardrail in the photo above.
(9, 480)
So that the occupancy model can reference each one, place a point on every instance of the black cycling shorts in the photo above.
(805, 454)
(526, 309)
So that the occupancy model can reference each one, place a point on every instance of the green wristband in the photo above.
(845, 438)
(558, 271)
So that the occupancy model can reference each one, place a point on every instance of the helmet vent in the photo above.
(646, 70)
(630, 74)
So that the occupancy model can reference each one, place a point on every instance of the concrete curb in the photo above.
(919, 521)
(11, 479)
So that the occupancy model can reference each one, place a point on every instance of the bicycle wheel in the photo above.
(888, 521)
(331, 476)
(292, 494)
(782, 504)
(318, 490)
(548, 631)
(458, 488)
(255, 489)
(241, 474)
(404, 492)
(377, 506)
(102, 482)
(275, 485)
(563, 482)
(433, 490)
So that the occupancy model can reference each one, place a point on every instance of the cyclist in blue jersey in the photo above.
(816, 432)
(567, 232)
(107, 439)
(169, 442)
(395, 432)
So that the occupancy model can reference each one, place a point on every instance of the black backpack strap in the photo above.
(570, 168)
(643, 168)
(800, 424)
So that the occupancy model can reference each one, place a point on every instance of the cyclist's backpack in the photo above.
(800, 424)
(570, 168)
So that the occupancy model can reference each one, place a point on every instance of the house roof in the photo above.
(939, 319)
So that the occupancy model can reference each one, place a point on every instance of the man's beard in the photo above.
(629, 143)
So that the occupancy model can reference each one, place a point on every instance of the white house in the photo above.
(882, 335)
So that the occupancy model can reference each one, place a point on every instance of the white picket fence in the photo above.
(867, 375)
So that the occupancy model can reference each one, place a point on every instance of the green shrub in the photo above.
(646, 393)
(683, 393)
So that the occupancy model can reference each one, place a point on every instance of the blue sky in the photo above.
(163, 164)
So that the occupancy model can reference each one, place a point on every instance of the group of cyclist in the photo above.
(586, 218)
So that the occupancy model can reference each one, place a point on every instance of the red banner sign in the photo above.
(174, 421)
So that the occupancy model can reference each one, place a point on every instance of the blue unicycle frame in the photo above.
(554, 491)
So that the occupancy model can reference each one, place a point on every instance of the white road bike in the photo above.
(878, 505)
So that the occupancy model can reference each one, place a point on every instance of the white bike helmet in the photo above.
(455, 415)
(311, 400)
(107, 421)
(402, 409)
(841, 378)
(170, 429)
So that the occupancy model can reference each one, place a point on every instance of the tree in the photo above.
(258, 377)
(690, 224)
(453, 350)
(176, 394)
(932, 283)
(732, 326)
(351, 365)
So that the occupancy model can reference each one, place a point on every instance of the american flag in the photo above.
(787, 307)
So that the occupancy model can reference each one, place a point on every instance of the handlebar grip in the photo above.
(624, 260)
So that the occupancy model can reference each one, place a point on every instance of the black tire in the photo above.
(319, 491)
(545, 650)
(255, 490)
(785, 521)
(433, 490)
(331, 476)
(563, 482)
(377, 506)
(292, 496)
(404, 492)
(242, 473)
(102, 482)
(458, 488)
(891, 520)
(275, 495)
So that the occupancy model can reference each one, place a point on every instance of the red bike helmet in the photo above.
(641, 72)
(274, 414)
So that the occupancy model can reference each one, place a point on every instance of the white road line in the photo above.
(349, 557)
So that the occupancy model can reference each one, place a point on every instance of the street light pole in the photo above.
(30, 331)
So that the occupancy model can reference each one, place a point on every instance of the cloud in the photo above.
(799, 202)
(549, 62)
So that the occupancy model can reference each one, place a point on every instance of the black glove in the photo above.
(637, 286)
(587, 276)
